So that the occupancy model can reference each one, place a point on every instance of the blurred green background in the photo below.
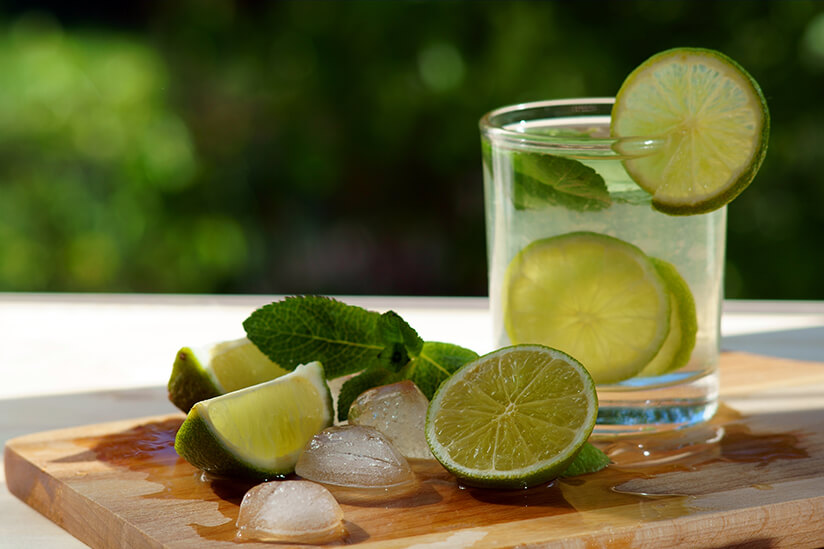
(313, 147)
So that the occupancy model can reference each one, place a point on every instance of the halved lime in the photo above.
(712, 118)
(257, 432)
(594, 296)
(514, 418)
(677, 348)
(205, 372)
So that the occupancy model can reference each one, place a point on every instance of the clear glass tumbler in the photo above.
(531, 195)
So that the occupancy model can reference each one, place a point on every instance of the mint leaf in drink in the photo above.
(353, 387)
(635, 197)
(436, 362)
(589, 460)
(298, 330)
(543, 180)
(400, 339)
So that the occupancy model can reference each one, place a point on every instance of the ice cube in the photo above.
(355, 456)
(296, 511)
(399, 412)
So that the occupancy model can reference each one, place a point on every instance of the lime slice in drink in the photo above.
(596, 297)
(514, 418)
(677, 348)
(201, 373)
(712, 120)
(257, 432)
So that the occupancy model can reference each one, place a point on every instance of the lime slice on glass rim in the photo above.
(257, 432)
(711, 119)
(514, 418)
(200, 373)
(678, 346)
(594, 296)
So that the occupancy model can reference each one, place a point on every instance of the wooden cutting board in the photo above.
(754, 479)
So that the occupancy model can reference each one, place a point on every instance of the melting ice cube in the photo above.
(398, 411)
(295, 511)
(355, 456)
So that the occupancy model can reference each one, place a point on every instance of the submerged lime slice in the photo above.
(677, 348)
(596, 297)
(711, 118)
(514, 418)
(257, 432)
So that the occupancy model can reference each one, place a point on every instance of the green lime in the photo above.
(514, 418)
(590, 459)
(712, 119)
(257, 432)
(596, 297)
(201, 373)
(678, 346)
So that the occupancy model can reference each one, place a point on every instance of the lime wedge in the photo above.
(712, 119)
(257, 432)
(514, 418)
(596, 297)
(678, 346)
(201, 373)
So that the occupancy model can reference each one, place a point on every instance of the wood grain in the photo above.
(756, 480)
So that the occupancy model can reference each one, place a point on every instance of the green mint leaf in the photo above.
(589, 460)
(353, 387)
(301, 329)
(436, 362)
(543, 180)
(400, 339)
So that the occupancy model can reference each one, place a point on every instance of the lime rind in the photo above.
(190, 382)
(677, 348)
(713, 118)
(211, 439)
(594, 296)
(563, 405)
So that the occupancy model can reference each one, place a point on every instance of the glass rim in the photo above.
(497, 125)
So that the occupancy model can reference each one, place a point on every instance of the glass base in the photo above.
(664, 404)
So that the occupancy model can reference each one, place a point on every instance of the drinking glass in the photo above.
(520, 211)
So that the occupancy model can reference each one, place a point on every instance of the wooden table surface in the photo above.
(72, 360)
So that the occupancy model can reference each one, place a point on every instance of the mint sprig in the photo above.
(348, 339)
(297, 330)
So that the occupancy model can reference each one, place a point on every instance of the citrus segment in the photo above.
(200, 373)
(596, 297)
(678, 346)
(514, 418)
(711, 118)
(238, 364)
(257, 432)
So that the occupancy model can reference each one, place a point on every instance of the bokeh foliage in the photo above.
(332, 147)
